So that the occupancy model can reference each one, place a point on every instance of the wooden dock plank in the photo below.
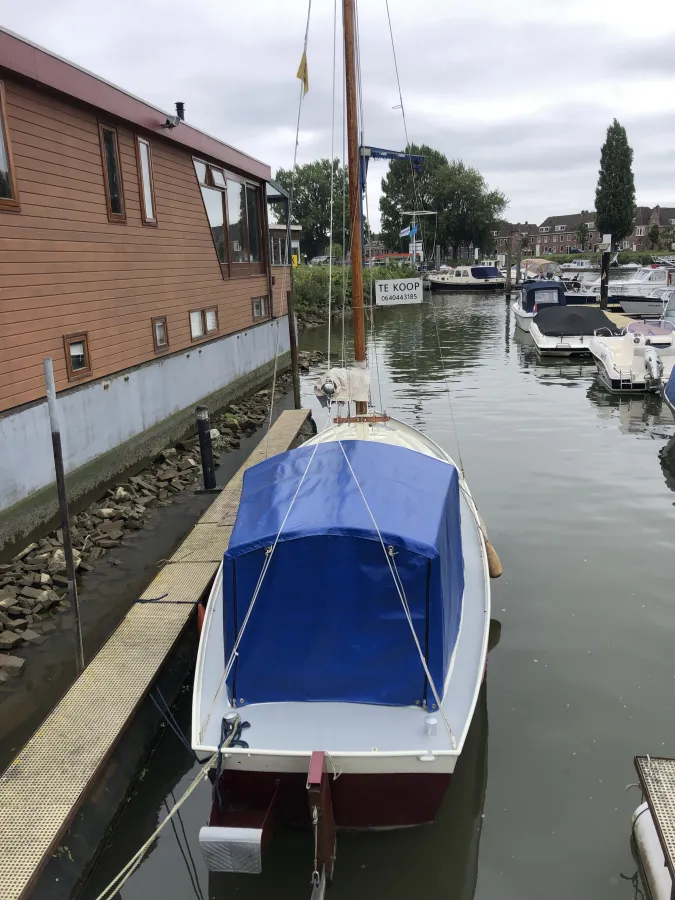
(42, 789)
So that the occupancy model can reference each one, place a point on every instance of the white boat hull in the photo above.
(523, 319)
(621, 362)
(650, 858)
(645, 307)
(565, 345)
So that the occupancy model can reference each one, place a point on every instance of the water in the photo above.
(579, 503)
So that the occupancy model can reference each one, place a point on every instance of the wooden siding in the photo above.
(65, 268)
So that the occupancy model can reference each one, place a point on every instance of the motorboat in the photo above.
(669, 391)
(567, 330)
(468, 278)
(535, 296)
(640, 359)
(580, 265)
(646, 306)
(344, 642)
(646, 280)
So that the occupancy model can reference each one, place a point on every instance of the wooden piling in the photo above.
(508, 267)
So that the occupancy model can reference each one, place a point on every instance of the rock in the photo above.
(122, 496)
(9, 640)
(167, 475)
(24, 552)
(32, 593)
(5, 619)
(57, 564)
(111, 534)
(12, 665)
(232, 426)
(187, 463)
(45, 627)
(107, 513)
(45, 579)
(168, 455)
(33, 637)
(7, 603)
(108, 543)
(59, 581)
(214, 433)
(18, 623)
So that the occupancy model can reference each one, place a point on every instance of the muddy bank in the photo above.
(121, 539)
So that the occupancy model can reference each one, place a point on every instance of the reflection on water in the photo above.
(576, 487)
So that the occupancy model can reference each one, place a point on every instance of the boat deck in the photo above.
(43, 788)
(657, 779)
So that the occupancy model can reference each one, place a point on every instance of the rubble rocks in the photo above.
(34, 586)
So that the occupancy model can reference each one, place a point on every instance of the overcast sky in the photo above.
(521, 89)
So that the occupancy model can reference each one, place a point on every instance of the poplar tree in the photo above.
(615, 193)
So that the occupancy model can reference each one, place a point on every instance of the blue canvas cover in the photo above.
(543, 293)
(328, 624)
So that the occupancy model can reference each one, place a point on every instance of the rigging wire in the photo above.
(194, 878)
(416, 198)
(332, 187)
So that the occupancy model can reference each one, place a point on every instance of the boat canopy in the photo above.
(554, 321)
(486, 272)
(542, 293)
(328, 623)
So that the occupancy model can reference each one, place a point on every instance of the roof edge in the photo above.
(23, 57)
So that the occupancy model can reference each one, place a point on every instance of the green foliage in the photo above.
(311, 203)
(581, 235)
(654, 237)
(311, 288)
(467, 209)
(615, 193)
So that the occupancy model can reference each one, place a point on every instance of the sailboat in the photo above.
(345, 639)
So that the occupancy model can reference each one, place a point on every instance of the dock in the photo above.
(44, 787)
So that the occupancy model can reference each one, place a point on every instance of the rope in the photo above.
(416, 199)
(194, 878)
(125, 874)
(170, 720)
(389, 556)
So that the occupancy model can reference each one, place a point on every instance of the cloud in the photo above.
(524, 91)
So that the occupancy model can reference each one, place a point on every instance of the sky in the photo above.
(521, 89)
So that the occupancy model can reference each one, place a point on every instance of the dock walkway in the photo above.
(43, 788)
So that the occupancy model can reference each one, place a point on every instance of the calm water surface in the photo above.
(577, 489)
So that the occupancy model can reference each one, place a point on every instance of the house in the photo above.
(645, 219)
(557, 234)
(135, 253)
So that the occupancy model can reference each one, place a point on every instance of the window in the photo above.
(9, 191)
(234, 214)
(672, 221)
(590, 225)
(160, 333)
(261, 307)
(112, 173)
(202, 322)
(640, 230)
(76, 347)
(545, 228)
(560, 227)
(278, 250)
(554, 239)
(144, 160)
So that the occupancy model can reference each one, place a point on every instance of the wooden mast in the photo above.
(356, 251)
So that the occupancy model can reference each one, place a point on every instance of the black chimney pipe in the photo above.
(180, 110)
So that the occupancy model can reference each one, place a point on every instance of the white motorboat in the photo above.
(638, 360)
(568, 330)
(580, 265)
(534, 296)
(468, 278)
(646, 280)
(647, 306)
(345, 638)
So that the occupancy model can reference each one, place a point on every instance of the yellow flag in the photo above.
(303, 74)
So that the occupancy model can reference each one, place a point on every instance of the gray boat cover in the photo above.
(555, 321)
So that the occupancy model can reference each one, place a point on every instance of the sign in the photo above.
(295, 260)
(398, 292)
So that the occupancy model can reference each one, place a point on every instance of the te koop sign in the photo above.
(393, 293)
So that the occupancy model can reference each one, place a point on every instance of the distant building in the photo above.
(645, 219)
(513, 232)
(557, 234)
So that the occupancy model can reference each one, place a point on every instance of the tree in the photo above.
(467, 209)
(615, 193)
(654, 237)
(401, 193)
(668, 236)
(311, 203)
(581, 235)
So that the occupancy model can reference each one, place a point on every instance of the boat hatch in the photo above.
(329, 623)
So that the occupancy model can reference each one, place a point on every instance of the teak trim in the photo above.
(112, 216)
(342, 420)
(160, 348)
(69, 339)
(141, 187)
(8, 203)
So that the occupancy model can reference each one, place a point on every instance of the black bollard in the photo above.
(205, 448)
